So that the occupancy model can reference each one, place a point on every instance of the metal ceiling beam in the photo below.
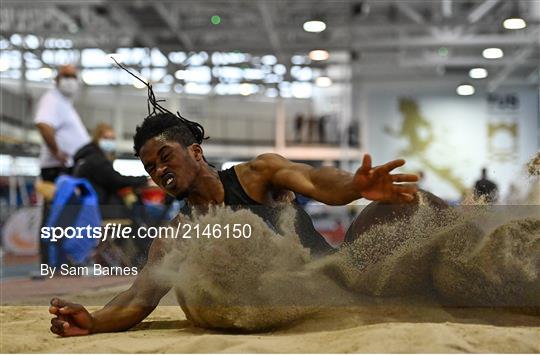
(477, 40)
(261, 47)
(268, 23)
(410, 12)
(481, 10)
(172, 21)
(65, 18)
(48, 3)
(462, 62)
(447, 8)
(357, 29)
(514, 63)
(120, 15)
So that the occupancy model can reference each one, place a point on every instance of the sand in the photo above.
(473, 256)
(247, 284)
(272, 289)
(454, 280)
(533, 165)
(372, 327)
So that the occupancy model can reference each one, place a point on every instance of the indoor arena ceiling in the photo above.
(381, 36)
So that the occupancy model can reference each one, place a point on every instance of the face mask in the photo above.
(107, 145)
(68, 86)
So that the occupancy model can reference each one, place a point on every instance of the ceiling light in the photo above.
(116, 56)
(514, 23)
(323, 81)
(271, 92)
(4, 64)
(45, 72)
(443, 52)
(246, 89)
(318, 54)
(314, 26)
(299, 60)
(465, 90)
(215, 20)
(180, 74)
(478, 73)
(492, 53)
(269, 59)
(280, 69)
(138, 84)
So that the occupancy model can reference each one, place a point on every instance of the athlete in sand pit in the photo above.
(170, 149)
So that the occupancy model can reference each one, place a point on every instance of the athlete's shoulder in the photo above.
(268, 161)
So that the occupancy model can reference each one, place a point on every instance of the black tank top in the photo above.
(236, 197)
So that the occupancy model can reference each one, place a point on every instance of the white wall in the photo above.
(460, 134)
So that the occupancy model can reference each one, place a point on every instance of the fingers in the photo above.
(392, 165)
(404, 197)
(57, 302)
(59, 326)
(59, 306)
(404, 178)
(409, 189)
(366, 164)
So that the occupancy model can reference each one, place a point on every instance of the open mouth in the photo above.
(168, 180)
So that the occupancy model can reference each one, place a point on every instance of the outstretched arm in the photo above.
(125, 311)
(337, 187)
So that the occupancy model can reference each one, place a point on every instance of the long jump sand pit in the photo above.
(383, 327)
(337, 312)
(452, 281)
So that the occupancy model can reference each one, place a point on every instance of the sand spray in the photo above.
(470, 255)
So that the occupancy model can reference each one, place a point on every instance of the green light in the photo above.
(443, 52)
(216, 20)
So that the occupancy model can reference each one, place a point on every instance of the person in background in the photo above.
(298, 124)
(311, 129)
(62, 130)
(485, 187)
(94, 161)
(322, 128)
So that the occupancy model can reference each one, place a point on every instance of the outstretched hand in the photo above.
(377, 184)
(71, 319)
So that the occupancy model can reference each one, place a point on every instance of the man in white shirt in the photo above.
(59, 124)
(62, 130)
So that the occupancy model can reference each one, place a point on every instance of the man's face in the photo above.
(171, 166)
(67, 71)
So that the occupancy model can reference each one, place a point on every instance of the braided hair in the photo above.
(162, 122)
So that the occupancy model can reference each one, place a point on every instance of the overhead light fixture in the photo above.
(246, 89)
(180, 74)
(318, 54)
(45, 72)
(4, 64)
(215, 20)
(465, 90)
(478, 73)
(514, 23)
(314, 26)
(117, 56)
(492, 53)
(442, 52)
(323, 81)
(138, 84)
